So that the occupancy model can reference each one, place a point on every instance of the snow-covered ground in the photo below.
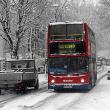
(96, 99)
(44, 99)
(42, 78)
(8, 95)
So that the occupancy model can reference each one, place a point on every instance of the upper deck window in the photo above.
(67, 31)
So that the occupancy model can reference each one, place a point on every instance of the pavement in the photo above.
(42, 78)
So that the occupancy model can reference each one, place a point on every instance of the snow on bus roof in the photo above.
(58, 23)
(19, 60)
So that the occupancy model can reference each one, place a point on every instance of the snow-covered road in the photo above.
(44, 99)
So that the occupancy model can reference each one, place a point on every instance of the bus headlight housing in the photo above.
(82, 80)
(52, 81)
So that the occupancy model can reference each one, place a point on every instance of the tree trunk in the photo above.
(15, 50)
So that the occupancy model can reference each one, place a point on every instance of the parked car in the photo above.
(19, 75)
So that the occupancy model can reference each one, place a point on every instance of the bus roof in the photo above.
(58, 23)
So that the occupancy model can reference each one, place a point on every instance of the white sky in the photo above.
(92, 1)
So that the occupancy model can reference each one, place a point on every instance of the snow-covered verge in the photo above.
(97, 99)
(102, 71)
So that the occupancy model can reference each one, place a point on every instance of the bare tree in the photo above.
(5, 20)
(17, 17)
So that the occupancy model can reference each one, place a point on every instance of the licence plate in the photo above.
(67, 86)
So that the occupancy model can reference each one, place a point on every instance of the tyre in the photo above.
(37, 85)
(18, 92)
(108, 78)
(56, 90)
(22, 90)
(91, 84)
(95, 82)
(89, 87)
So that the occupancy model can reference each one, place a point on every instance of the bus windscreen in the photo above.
(67, 47)
(68, 65)
(64, 31)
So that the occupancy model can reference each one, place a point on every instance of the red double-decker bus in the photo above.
(71, 56)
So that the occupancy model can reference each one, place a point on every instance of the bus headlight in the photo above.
(82, 80)
(52, 81)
